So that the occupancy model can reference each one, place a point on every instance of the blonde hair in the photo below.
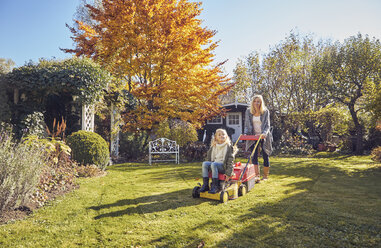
(214, 141)
(262, 107)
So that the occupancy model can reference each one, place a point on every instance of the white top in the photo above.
(257, 125)
(219, 152)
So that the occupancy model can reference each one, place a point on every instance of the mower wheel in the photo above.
(242, 190)
(196, 192)
(224, 196)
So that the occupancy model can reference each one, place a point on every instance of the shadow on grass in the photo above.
(314, 167)
(333, 209)
(149, 204)
(296, 222)
(336, 207)
(160, 172)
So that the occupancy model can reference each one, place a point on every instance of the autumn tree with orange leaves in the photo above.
(162, 54)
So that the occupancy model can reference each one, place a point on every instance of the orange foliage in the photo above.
(164, 54)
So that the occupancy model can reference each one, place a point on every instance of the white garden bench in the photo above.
(163, 150)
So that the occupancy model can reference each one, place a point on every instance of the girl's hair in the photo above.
(262, 107)
(214, 141)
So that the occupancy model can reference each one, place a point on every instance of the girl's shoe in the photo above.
(215, 186)
(205, 184)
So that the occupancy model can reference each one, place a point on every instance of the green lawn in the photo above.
(308, 202)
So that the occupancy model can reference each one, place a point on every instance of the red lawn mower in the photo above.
(239, 184)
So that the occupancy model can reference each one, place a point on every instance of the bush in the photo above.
(88, 171)
(5, 111)
(133, 145)
(59, 172)
(20, 168)
(295, 145)
(195, 151)
(33, 124)
(89, 148)
(6, 127)
(324, 123)
(376, 154)
(181, 132)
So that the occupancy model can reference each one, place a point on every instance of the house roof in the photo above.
(236, 104)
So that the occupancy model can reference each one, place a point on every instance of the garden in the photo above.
(327, 200)
(74, 136)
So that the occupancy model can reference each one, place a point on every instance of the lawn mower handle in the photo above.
(248, 161)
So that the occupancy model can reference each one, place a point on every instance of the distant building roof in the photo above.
(236, 104)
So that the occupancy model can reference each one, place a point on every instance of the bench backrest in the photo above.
(163, 146)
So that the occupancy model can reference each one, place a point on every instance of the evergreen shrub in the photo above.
(133, 146)
(89, 148)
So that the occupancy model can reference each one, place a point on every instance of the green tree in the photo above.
(287, 76)
(345, 70)
(6, 65)
(247, 77)
(372, 100)
(283, 76)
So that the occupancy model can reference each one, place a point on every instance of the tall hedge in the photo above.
(89, 148)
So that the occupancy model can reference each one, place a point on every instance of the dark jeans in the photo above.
(266, 162)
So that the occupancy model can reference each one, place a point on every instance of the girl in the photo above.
(220, 159)
(257, 121)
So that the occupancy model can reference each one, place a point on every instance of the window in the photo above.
(215, 120)
(233, 119)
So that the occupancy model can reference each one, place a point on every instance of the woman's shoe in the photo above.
(266, 172)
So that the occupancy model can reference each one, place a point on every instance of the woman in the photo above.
(257, 121)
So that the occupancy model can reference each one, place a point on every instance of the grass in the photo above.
(325, 201)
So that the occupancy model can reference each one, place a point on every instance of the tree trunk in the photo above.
(359, 148)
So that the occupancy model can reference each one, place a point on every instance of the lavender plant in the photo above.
(20, 168)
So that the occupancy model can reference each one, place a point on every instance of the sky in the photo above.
(30, 30)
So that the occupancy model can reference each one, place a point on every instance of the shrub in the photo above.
(376, 154)
(181, 132)
(89, 148)
(33, 124)
(133, 145)
(20, 167)
(195, 151)
(295, 145)
(324, 123)
(58, 174)
(88, 171)
(5, 111)
(374, 138)
(6, 127)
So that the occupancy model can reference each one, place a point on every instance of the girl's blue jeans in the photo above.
(215, 167)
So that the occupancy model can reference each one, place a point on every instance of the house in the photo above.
(233, 122)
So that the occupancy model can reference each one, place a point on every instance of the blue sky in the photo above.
(36, 29)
